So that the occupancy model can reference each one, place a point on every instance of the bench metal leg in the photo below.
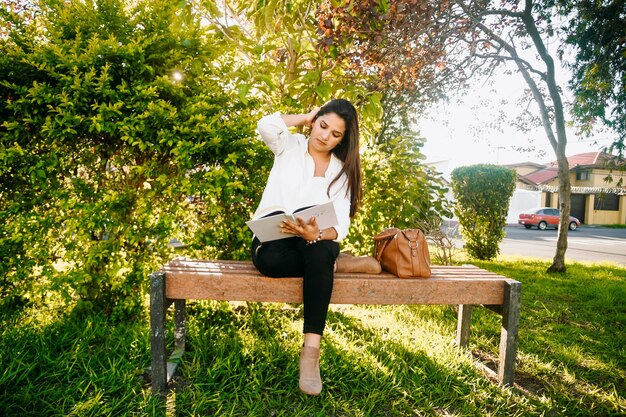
(157, 332)
(464, 322)
(508, 334)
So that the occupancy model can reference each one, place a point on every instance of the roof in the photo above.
(589, 159)
(542, 176)
(548, 172)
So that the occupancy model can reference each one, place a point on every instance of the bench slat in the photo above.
(246, 267)
(240, 281)
(347, 290)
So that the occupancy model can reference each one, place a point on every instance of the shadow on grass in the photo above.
(244, 361)
(572, 338)
(410, 380)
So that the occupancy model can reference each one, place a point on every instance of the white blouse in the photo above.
(291, 184)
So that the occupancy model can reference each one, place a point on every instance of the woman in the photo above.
(309, 171)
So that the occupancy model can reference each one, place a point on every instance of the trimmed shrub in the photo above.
(482, 194)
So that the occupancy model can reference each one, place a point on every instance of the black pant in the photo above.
(292, 257)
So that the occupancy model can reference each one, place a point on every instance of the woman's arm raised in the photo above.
(300, 119)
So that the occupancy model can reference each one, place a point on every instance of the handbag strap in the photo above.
(387, 233)
(379, 247)
(382, 239)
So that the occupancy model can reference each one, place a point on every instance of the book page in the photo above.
(268, 228)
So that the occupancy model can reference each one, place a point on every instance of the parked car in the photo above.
(544, 217)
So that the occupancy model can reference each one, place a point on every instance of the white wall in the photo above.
(522, 200)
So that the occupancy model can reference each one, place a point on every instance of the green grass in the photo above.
(241, 359)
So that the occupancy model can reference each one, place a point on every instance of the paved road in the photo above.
(587, 243)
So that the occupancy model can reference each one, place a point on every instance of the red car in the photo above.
(545, 217)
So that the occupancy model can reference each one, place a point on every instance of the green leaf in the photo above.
(242, 91)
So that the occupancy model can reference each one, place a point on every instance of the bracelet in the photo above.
(319, 237)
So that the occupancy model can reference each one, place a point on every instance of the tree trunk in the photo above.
(558, 262)
(559, 143)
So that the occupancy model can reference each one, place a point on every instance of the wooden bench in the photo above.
(464, 286)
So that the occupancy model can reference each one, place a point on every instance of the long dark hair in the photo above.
(347, 150)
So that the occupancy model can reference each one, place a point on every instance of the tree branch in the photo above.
(543, 108)
(501, 12)
(555, 95)
(517, 60)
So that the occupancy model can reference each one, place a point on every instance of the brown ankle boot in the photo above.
(310, 379)
(363, 264)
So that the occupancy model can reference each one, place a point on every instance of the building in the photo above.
(598, 192)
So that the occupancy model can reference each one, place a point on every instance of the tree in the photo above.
(280, 62)
(482, 194)
(597, 30)
(396, 49)
(515, 33)
(464, 40)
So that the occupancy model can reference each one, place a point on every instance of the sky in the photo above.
(459, 133)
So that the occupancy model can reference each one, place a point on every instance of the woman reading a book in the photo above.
(308, 171)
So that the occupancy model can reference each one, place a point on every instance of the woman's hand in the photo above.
(306, 230)
(300, 119)
(310, 116)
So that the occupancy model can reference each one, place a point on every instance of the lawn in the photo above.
(241, 358)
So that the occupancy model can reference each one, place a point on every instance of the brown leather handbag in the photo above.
(404, 253)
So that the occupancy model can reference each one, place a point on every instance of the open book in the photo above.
(268, 228)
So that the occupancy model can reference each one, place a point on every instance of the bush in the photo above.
(112, 116)
(399, 191)
(482, 194)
